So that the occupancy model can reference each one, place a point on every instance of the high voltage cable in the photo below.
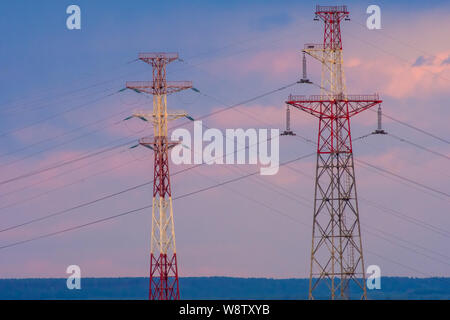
(64, 163)
(404, 178)
(388, 234)
(298, 136)
(252, 99)
(442, 140)
(386, 171)
(416, 128)
(198, 118)
(74, 228)
(402, 42)
(295, 198)
(398, 57)
(419, 146)
(393, 236)
(409, 185)
(219, 49)
(131, 211)
(310, 141)
(83, 105)
(65, 133)
(106, 197)
(33, 108)
(384, 34)
(400, 264)
(86, 134)
(176, 198)
(400, 121)
(208, 188)
(409, 242)
(190, 194)
(67, 141)
(74, 90)
(22, 201)
(393, 212)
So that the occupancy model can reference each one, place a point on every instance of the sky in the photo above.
(59, 101)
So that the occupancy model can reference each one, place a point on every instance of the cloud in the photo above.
(424, 78)
(446, 61)
(421, 61)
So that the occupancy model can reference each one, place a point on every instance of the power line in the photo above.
(400, 181)
(63, 94)
(64, 134)
(198, 118)
(104, 197)
(177, 198)
(202, 190)
(404, 178)
(416, 128)
(128, 212)
(83, 105)
(183, 196)
(407, 218)
(419, 146)
(64, 163)
(74, 228)
(311, 142)
(390, 117)
(411, 243)
(22, 201)
(392, 211)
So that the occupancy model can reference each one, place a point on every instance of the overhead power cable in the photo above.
(419, 146)
(83, 105)
(198, 118)
(131, 211)
(404, 178)
(64, 163)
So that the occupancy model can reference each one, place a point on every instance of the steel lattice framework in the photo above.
(336, 250)
(163, 257)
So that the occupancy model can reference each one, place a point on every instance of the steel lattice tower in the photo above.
(336, 250)
(163, 257)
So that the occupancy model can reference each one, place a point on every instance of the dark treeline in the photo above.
(214, 288)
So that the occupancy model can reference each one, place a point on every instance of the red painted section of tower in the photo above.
(163, 268)
(334, 117)
(164, 278)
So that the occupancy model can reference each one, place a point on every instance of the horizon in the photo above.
(57, 83)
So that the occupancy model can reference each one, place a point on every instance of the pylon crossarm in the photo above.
(167, 87)
(149, 57)
(146, 116)
(176, 115)
(358, 106)
(319, 105)
(313, 109)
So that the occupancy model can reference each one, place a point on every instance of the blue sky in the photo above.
(233, 50)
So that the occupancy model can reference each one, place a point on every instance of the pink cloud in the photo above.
(399, 80)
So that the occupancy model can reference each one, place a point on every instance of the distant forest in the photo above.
(214, 288)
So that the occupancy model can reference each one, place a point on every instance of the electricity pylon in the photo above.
(336, 249)
(163, 257)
